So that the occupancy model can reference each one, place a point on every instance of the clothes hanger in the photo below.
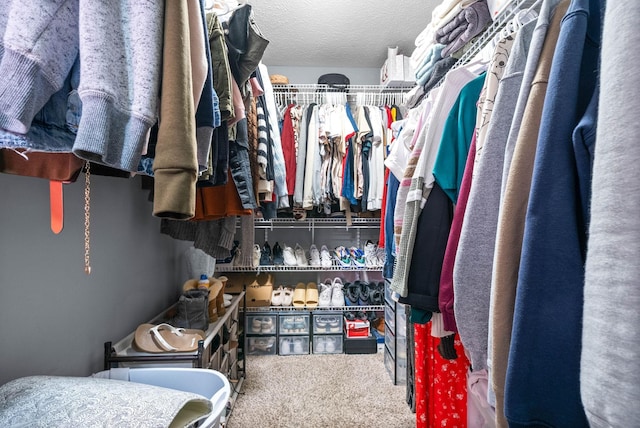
(223, 8)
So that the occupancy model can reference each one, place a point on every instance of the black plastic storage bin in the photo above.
(361, 345)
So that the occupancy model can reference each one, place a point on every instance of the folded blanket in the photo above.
(424, 71)
(447, 10)
(62, 402)
(425, 40)
(461, 29)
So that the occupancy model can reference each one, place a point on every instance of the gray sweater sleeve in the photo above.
(38, 48)
(609, 375)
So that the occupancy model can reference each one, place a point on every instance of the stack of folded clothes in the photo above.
(463, 27)
(454, 23)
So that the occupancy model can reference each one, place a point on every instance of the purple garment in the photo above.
(463, 27)
(445, 297)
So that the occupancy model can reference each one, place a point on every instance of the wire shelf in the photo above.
(319, 309)
(325, 94)
(335, 266)
(316, 223)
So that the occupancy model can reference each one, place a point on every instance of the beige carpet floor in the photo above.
(317, 391)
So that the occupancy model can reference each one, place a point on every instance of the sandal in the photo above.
(311, 295)
(166, 338)
(300, 295)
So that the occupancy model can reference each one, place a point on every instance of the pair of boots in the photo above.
(215, 287)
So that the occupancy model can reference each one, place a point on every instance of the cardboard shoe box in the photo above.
(258, 288)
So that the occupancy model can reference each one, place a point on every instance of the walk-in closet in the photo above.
(233, 214)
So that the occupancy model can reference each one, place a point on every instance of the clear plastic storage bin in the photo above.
(294, 323)
(265, 345)
(261, 324)
(328, 344)
(293, 345)
(327, 323)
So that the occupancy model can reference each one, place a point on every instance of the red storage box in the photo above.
(356, 328)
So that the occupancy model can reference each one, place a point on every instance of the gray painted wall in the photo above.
(54, 319)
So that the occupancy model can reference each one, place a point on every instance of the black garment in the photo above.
(220, 154)
(411, 381)
(433, 226)
(245, 43)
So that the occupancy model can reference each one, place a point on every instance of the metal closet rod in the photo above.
(302, 87)
(361, 94)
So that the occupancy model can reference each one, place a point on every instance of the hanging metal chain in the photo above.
(87, 217)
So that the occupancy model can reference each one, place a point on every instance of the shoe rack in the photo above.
(291, 330)
(222, 349)
(320, 231)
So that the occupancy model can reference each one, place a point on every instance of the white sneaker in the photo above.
(277, 296)
(324, 300)
(370, 254)
(314, 255)
(256, 256)
(301, 258)
(330, 344)
(289, 256)
(337, 295)
(297, 346)
(285, 347)
(325, 257)
(381, 256)
(320, 341)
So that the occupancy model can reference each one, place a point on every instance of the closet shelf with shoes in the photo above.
(217, 335)
(317, 223)
(305, 255)
(335, 266)
(315, 310)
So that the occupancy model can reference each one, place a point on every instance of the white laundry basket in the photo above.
(209, 383)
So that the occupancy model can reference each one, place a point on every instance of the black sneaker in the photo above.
(362, 316)
(352, 293)
(265, 256)
(278, 257)
(377, 293)
(364, 298)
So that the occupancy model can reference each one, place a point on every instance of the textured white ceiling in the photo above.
(339, 33)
